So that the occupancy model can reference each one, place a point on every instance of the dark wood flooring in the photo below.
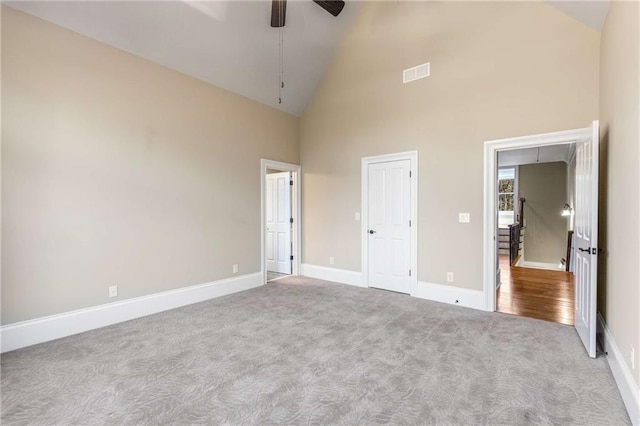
(536, 293)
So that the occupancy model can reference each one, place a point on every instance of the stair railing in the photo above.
(514, 233)
(514, 242)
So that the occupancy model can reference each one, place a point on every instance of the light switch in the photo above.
(357, 215)
(464, 218)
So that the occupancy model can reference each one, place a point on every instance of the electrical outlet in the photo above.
(235, 268)
(331, 261)
(464, 217)
(113, 291)
(449, 277)
(633, 358)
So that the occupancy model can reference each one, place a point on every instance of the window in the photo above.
(506, 196)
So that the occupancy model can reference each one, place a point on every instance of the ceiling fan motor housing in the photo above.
(279, 10)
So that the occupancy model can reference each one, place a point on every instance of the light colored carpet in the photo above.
(272, 276)
(302, 351)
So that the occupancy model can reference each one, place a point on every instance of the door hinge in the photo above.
(409, 224)
(409, 173)
(409, 272)
(291, 220)
(291, 257)
(290, 182)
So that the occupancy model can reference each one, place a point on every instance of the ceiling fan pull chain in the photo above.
(281, 60)
(278, 13)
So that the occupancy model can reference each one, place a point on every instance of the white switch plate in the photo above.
(464, 217)
(113, 291)
(449, 277)
(331, 261)
(235, 268)
(357, 215)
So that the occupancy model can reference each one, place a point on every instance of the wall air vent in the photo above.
(416, 73)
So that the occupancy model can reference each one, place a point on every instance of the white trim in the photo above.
(452, 295)
(491, 149)
(296, 212)
(624, 379)
(538, 265)
(276, 279)
(435, 292)
(412, 156)
(26, 333)
(341, 276)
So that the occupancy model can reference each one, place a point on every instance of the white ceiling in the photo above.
(590, 12)
(226, 43)
(229, 43)
(544, 154)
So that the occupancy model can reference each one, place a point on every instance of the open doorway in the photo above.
(585, 220)
(534, 195)
(280, 219)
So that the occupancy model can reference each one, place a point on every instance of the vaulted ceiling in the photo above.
(230, 43)
(226, 43)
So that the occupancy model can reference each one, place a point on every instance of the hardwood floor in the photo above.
(536, 293)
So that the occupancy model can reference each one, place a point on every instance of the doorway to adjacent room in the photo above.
(584, 209)
(280, 201)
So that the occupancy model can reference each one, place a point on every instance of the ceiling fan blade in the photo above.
(278, 13)
(334, 7)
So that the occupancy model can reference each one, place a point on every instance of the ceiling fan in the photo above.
(279, 10)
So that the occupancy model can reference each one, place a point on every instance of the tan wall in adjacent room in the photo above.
(619, 288)
(116, 170)
(544, 187)
(498, 70)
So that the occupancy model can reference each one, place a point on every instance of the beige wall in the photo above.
(497, 70)
(619, 291)
(118, 171)
(544, 186)
(571, 191)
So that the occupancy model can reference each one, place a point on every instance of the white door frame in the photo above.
(491, 149)
(296, 211)
(412, 156)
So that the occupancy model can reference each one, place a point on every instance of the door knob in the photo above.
(587, 249)
(371, 231)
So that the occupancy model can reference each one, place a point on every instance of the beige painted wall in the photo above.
(571, 191)
(118, 171)
(497, 70)
(619, 291)
(544, 186)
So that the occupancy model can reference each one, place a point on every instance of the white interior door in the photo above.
(586, 239)
(389, 214)
(278, 218)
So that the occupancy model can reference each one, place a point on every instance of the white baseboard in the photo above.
(453, 295)
(538, 265)
(436, 292)
(621, 373)
(26, 333)
(341, 276)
